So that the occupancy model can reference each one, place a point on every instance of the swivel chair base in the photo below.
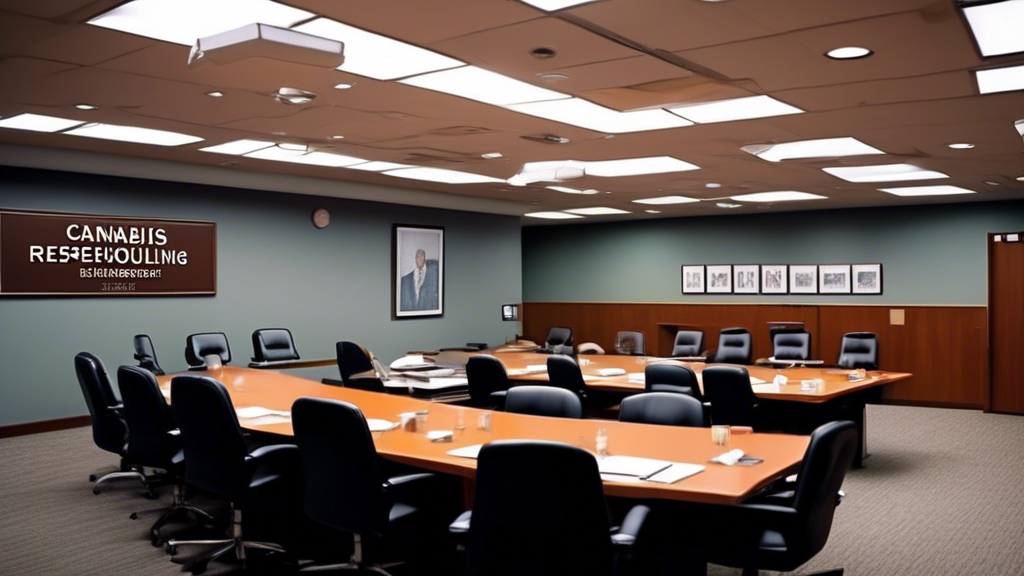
(836, 572)
(235, 543)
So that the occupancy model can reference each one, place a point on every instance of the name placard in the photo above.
(52, 253)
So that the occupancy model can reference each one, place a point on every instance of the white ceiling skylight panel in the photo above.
(662, 200)
(597, 211)
(376, 56)
(734, 109)
(638, 166)
(586, 114)
(279, 154)
(441, 175)
(566, 190)
(885, 173)
(1000, 79)
(997, 26)
(134, 135)
(785, 196)
(927, 191)
(551, 215)
(38, 123)
(552, 5)
(824, 148)
(483, 86)
(238, 147)
(185, 21)
(379, 166)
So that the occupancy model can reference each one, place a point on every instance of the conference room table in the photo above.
(716, 484)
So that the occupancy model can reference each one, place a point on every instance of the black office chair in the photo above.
(688, 343)
(345, 488)
(273, 345)
(220, 462)
(734, 347)
(145, 354)
(791, 345)
(488, 381)
(732, 399)
(543, 401)
(109, 430)
(206, 349)
(665, 408)
(356, 366)
(559, 341)
(564, 372)
(547, 517)
(672, 378)
(784, 536)
(630, 343)
(859, 350)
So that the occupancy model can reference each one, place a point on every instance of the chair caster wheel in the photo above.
(171, 550)
(92, 477)
(197, 568)
(133, 516)
(155, 541)
(150, 495)
(96, 491)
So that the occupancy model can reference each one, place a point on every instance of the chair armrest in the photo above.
(283, 457)
(406, 479)
(461, 524)
(631, 526)
(417, 487)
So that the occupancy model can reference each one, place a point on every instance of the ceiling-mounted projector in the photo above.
(265, 41)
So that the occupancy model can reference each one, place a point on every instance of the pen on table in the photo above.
(656, 472)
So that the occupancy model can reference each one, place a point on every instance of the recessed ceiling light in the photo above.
(134, 134)
(596, 211)
(927, 191)
(378, 166)
(483, 86)
(293, 147)
(215, 94)
(638, 166)
(441, 175)
(38, 123)
(551, 215)
(1019, 126)
(785, 196)
(238, 147)
(1020, 178)
(734, 109)
(85, 106)
(376, 56)
(996, 26)
(553, 77)
(294, 96)
(588, 191)
(824, 148)
(281, 154)
(342, 86)
(337, 137)
(884, 173)
(653, 211)
(728, 205)
(185, 21)
(712, 185)
(552, 5)
(849, 53)
(991, 183)
(1000, 79)
(961, 145)
(491, 155)
(586, 114)
(666, 200)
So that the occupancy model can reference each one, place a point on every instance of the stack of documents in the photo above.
(263, 416)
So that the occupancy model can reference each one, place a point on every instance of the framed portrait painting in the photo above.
(417, 287)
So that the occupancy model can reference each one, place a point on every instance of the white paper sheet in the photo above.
(630, 465)
(380, 425)
(471, 451)
(676, 472)
(611, 371)
(250, 412)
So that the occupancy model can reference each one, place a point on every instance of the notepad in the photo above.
(472, 451)
(611, 371)
(631, 466)
(766, 387)
(380, 425)
(676, 472)
(250, 412)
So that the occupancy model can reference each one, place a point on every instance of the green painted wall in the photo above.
(930, 254)
(274, 269)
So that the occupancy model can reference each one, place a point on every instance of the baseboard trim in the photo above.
(925, 404)
(39, 426)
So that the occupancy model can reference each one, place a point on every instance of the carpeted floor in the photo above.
(942, 493)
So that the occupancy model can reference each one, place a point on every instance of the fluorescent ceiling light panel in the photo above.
(441, 175)
(666, 200)
(735, 109)
(886, 173)
(787, 196)
(586, 114)
(185, 21)
(997, 26)
(596, 211)
(1000, 79)
(279, 154)
(825, 148)
(552, 5)
(551, 171)
(551, 215)
(638, 166)
(376, 56)
(588, 191)
(379, 166)
(1019, 125)
(134, 134)
(483, 86)
(38, 123)
(927, 191)
(238, 147)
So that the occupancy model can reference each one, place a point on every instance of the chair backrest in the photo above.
(688, 343)
(664, 408)
(829, 456)
(630, 343)
(148, 417)
(353, 360)
(486, 374)
(109, 431)
(791, 345)
(589, 348)
(672, 378)
(273, 345)
(199, 346)
(344, 486)
(543, 401)
(564, 372)
(544, 517)
(859, 350)
(215, 449)
(731, 396)
(145, 353)
(559, 335)
(734, 346)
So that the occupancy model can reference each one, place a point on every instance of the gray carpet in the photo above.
(943, 493)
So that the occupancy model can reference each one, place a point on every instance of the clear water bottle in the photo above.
(602, 442)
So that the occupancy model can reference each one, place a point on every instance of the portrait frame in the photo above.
(408, 301)
(803, 278)
(859, 287)
(720, 272)
(834, 279)
(696, 285)
(746, 279)
(774, 279)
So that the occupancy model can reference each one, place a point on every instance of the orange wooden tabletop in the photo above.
(716, 484)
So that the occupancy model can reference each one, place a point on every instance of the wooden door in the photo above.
(1006, 322)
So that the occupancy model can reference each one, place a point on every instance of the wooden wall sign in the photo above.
(54, 253)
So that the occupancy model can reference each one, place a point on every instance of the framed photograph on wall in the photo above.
(719, 279)
(866, 278)
(417, 287)
(803, 279)
(834, 279)
(774, 279)
(693, 279)
(745, 279)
